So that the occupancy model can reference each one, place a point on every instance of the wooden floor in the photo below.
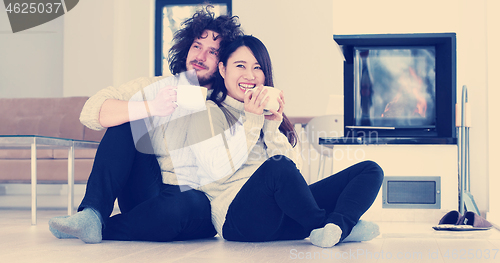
(398, 242)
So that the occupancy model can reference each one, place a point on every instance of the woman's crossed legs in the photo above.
(277, 204)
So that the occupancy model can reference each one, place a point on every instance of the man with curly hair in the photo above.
(133, 162)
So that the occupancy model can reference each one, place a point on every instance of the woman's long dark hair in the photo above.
(260, 52)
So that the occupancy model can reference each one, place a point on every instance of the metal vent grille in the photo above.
(411, 192)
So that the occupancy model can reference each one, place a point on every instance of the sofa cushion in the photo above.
(26, 154)
(92, 135)
(79, 154)
(47, 154)
(49, 171)
(54, 117)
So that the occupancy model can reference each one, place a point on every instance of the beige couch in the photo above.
(53, 117)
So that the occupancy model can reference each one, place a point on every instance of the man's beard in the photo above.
(201, 80)
(205, 80)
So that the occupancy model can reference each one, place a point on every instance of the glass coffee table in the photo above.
(35, 142)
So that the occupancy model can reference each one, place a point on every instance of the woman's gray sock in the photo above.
(328, 236)
(363, 231)
(85, 225)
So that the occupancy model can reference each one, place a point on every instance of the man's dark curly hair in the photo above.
(226, 26)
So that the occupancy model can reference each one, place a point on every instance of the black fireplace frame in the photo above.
(444, 131)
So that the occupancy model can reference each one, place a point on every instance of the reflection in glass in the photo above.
(395, 87)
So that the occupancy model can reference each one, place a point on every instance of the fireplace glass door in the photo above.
(395, 87)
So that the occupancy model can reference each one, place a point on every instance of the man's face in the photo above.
(203, 57)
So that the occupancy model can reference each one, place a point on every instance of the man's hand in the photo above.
(164, 103)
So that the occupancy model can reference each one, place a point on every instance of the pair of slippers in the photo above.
(454, 221)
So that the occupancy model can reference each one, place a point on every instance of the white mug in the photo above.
(273, 94)
(272, 104)
(191, 97)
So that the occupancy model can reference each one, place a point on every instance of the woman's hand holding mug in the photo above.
(255, 100)
(277, 115)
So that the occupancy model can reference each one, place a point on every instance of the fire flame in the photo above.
(412, 85)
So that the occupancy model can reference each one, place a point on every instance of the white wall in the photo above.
(308, 68)
(133, 38)
(112, 44)
(109, 45)
(493, 93)
(467, 19)
(31, 61)
(126, 55)
(472, 71)
(406, 160)
(307, 65)
(88, 48)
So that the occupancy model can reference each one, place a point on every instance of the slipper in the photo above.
(477, 222)
(449, 221)
(451, 218)
(454, 227)
(469, 222)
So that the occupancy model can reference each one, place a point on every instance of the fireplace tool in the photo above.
(466, 200)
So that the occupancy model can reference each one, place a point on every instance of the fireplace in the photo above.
(400, 86)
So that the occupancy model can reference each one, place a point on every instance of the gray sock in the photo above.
(86, 225)
(328, 236)
(58, 233)
(363, 231)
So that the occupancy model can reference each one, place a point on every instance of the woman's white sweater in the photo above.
(227, 155)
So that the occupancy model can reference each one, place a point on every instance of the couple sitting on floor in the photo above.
(230, 169)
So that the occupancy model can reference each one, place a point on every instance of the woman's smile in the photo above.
(245, 87)
(241, 73)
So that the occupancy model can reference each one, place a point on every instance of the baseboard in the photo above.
(404, 215)
(494, 218)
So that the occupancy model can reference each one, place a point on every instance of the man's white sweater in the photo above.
(168, 134)
(197, 166)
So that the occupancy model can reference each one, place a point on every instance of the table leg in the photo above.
(33, 182)
(308, 144)
(71, 177)
(306, 166)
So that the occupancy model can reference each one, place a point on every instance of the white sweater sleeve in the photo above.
(90, 112)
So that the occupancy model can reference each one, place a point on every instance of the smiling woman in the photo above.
(242, 72)
(169, 16)
(246, 164)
